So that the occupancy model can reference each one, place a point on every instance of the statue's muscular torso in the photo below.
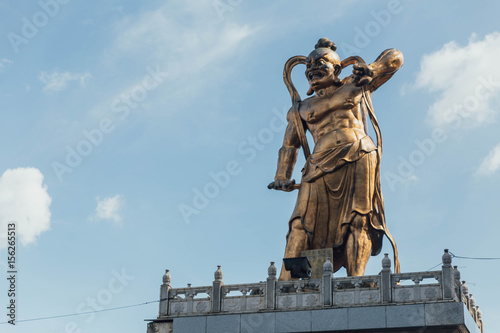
(335, 118)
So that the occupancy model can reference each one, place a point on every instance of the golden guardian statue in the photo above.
(339, 203)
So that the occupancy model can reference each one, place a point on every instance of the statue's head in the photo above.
(323, 66)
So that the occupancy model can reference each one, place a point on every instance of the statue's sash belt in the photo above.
(327, 161)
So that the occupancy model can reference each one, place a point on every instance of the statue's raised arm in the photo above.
(382, 69)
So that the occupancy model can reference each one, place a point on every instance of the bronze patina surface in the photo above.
(339, 203)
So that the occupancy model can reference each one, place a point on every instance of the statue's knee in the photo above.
(297, 225)
(359, 223)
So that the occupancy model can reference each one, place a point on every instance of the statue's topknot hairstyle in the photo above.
(325, 43)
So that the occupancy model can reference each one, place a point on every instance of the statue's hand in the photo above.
(363, 74)
(286, 185)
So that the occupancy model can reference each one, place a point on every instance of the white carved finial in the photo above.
(328, 266)
(167, 278)
(465, 288)
(472, 301)
(272, 271)
(218, 274)
(386, 262)
(446, 258)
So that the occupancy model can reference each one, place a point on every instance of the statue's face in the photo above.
(322, 68)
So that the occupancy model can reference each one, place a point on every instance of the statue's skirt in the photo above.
(337, 184)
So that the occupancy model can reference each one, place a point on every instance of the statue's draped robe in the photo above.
(336, 184)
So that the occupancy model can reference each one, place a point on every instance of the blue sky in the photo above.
(117, 114)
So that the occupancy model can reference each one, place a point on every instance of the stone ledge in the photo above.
(432, 317)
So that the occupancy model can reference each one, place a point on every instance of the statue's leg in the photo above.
(358, 246)
(295, 244)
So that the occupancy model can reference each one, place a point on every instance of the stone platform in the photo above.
(433, 301)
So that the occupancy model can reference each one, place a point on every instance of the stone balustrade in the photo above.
(328, 292)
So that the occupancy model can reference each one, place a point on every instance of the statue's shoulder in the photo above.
(304, 105)
(309, 100)
(349, 81)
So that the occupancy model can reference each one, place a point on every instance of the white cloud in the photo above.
(164, 37)
(466, 79)
(3, 62)
(108, 209)
(491, 163)
(24, 200)
(57, 81)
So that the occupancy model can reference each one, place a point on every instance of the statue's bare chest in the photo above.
(338, 104)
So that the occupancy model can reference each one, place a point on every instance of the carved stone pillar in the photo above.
(217, 290)
(327, 282)
(271, 287)
(164, 293)
(447, 270)
(385, 277)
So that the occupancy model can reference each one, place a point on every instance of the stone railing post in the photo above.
(465, 293)
(271, 287)
(458, 289)
(164, 291)
(385, 279)
(217, 290)
(327, 282)
(447, 270)
(479, 320)
(472, 302)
